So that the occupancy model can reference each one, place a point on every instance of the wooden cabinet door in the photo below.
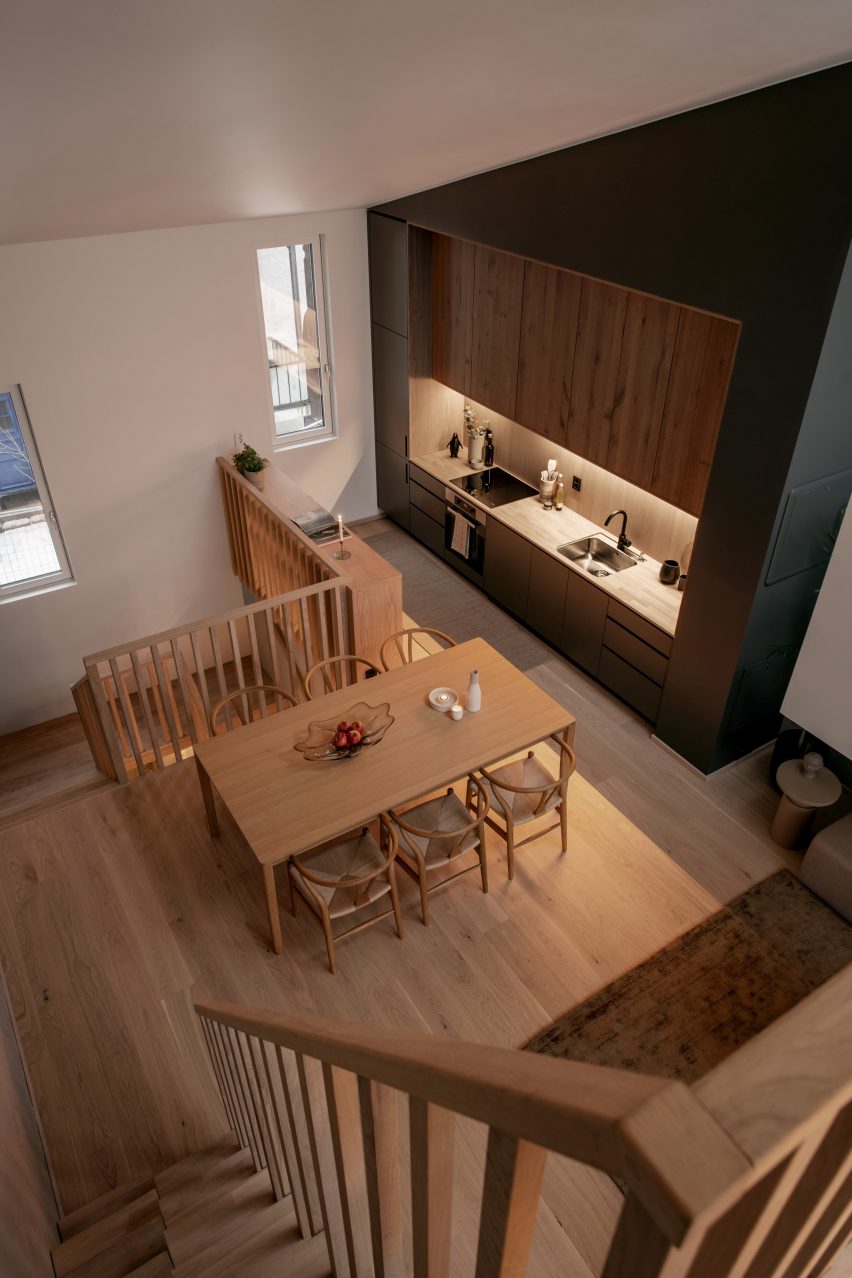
(392, 484)
(583, 622)
(390, 389)
(498, 287)
(551, 307)
(507, 568)
(388, 243)
(546, 603)
(647, 347)
(698, 386)
(597, 352)
(452, 311)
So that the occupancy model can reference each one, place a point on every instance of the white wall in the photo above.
(139, 356)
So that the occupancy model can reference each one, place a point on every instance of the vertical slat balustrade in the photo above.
(432, 1132)
(268, 1130)
(513, 1175)
(250, 1099)
(322, 1154)
(216, 1063)
(344, 1117)
(146, 707)
(288, 1074)
(380, 1133)
(223, 1049)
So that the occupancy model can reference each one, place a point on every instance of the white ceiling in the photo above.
(128, 114)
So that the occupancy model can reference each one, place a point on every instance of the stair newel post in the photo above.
(249, 1098)
(380, 1133)
(222, 1049)
(220, 1081)
(288, 1075)
(322, 1152)
(280, 1188)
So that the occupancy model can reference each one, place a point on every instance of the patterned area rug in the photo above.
(699, 999)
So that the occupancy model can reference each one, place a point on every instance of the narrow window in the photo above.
(32, 553)
(291, 292)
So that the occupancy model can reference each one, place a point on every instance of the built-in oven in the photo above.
(464, 536)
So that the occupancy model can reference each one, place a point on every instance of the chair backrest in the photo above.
(239, 701)
(407, 645)
(335, 673)
(567, 764)
(455, 836)
(359, 883)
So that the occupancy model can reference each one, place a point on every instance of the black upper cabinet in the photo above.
(388, 240)
(390, 389)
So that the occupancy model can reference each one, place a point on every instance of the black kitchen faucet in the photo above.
(623, 540)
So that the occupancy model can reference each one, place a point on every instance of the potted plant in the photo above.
(249, 462)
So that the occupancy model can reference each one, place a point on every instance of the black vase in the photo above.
(669, 572)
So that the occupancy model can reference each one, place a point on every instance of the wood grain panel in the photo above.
(551, 309)
(497, 297)
(452, 311)
(698, 386)
(647, 347)
(600, 326)
(434, 410)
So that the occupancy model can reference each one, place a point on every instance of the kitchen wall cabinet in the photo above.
(546, 602)
(388, 249)
(647, 346)
(597, 356)
(498, 284)
(452, 311)
(698, 387)
(507, 568)
(583, 622)
(390, 389)
(549, 315)
(392, 484)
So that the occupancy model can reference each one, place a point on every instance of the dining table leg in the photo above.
(272, 908)
(209, 801)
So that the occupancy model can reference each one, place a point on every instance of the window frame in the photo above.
(64, 576)
(328, 430)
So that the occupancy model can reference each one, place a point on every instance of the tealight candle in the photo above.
(456, 711)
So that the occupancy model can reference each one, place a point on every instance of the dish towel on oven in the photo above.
(460, 541)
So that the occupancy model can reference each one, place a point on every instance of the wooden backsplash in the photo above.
(661, 530)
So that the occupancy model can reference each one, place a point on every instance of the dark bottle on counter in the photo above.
(488, 450)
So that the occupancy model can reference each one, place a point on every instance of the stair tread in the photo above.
(179, 1173)
(109, 1233)
(305, 1258)
(228, 1211)
(209, 1182)
(259, 1231)
(120, 1257)
(159, 1266)
(90, 1213)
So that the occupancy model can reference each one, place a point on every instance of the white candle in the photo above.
(340, 527)
(456, 712)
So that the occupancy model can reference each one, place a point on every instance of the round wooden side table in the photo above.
(806, 786)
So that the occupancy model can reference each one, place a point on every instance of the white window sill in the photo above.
(12, 596)
(285, 446)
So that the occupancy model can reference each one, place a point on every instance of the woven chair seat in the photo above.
(523, 807)
(445, 813)
(349, 859)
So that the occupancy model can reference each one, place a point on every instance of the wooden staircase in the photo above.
(212, 1214)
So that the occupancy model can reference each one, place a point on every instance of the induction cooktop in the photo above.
(494, 487)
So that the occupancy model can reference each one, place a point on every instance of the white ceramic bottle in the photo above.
(474, 693)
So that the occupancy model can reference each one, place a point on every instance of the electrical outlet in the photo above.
(576, 483)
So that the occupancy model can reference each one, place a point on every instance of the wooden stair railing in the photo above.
(746, 1174)
(145, 704)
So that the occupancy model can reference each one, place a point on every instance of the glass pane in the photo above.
(288, 294)
(26, 546)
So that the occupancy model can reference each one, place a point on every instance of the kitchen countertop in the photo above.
(638, 588)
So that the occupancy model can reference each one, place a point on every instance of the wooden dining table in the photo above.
(284, 804)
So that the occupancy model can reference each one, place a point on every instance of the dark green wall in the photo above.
(743, 208)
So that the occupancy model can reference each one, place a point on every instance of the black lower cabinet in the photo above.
(427, 530)
(507, 568)
(392, 484)
(546, 603)
(583, 622)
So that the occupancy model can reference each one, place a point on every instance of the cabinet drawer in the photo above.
(644, 629)
(427, 481)
(427, 502)
(635, 650)
(636, 689)
(427, 530)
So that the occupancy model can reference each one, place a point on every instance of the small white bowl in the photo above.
(443, 699)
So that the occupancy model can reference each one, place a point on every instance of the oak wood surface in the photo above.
(698, 386)
(551, 308)
(497, 299)
(597, 353)
(647, 345)
(452, 311)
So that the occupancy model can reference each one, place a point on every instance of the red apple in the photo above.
(344, 725)
(357, 725)
(341, 741)
(354, 736)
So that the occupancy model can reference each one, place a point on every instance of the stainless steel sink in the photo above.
(597, 556)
